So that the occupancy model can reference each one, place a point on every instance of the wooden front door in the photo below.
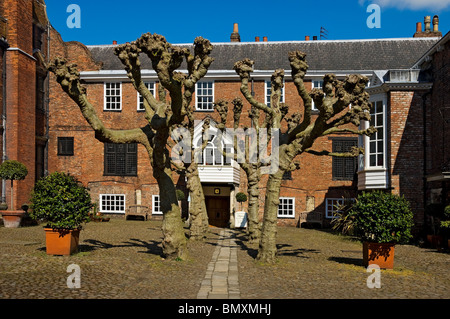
(218, 210)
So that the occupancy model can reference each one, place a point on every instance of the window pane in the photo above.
(380, 120)
(120, 159)
(380, 160)
(373, 160)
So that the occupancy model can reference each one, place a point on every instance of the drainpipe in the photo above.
(424, 190)
(5, 45)
(47, 105)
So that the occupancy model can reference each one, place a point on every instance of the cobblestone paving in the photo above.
(315, 264)
(121, 259)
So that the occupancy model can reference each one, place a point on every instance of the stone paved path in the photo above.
(221, 278)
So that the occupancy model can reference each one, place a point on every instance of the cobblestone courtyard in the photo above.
(121, 259)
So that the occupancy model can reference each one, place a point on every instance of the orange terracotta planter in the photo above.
(12, 218)
(379, 254)
(61, 242)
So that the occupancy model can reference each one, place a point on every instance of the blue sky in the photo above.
(103, 21)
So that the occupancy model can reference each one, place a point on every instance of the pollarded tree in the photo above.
(247, 154)
(162, 117)
(186, 161)
(342, 106)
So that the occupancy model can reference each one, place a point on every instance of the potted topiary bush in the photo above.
(14, 171)
(64, 204)
(240, 217)
(381, 220)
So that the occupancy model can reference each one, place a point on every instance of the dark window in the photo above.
(120, 159)
(37, 37)
(287, 176)
(40, 92)
(65, 146)
(344, 168)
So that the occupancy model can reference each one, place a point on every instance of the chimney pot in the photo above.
(114, 42)
(419, 27)
(427, 21)
(265, 39)
(435, 23)
(315, 38)
(256, 39)
(307, 38)
(235, 37)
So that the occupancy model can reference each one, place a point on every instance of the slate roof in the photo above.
(377, 54)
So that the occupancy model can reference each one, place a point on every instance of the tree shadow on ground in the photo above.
(282, 249)
(152, 246)
(347, 260)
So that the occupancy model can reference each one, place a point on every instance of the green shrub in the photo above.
(180, 194)
(382, 217)
(241, 197)
(62, 201)
(13, 170)
(343, 221)
(446, 223)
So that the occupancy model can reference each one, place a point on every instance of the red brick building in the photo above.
(122, 174)
(408, 154)
(23, 45)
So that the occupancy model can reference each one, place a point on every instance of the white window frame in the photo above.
(365, 164)
(105, 96)
(314, 86)
(268, 92)
(151, 86)
(197, 95)
(218, 159)
(156, 201)
(334, 201)
(377, 141)
(113, 206)
(292, 213)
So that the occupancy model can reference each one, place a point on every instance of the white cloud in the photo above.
(411, 4)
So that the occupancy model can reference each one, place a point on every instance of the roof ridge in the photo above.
(291, 42)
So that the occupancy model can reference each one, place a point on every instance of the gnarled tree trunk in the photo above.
(254, 223)
(198, 217)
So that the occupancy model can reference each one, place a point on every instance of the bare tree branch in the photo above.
(355, 151)
(243, 69)
(69, 78)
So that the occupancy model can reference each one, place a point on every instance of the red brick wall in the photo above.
(313, 179)
(406, 148)
(20, 90)
(440, 97)
(439, 123)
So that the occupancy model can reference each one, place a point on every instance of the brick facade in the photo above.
(406, 148)
(438, 149)
(66, 121)
(25, 125)
(413, 115)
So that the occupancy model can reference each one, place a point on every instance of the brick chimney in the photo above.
(428, 32)
(265, 39)
(235, 37)
(114, 42)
